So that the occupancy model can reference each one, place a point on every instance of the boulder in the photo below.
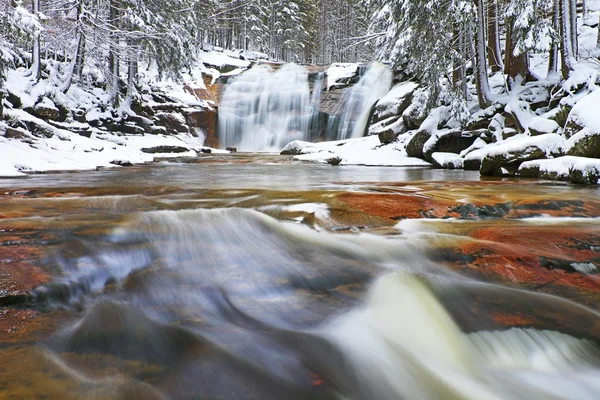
(454, 141)
(394, 103)
(584, 144)
(519, 114)
(414, 148)
(174, 122)
(575, 169)
(416, 113)
(18, 134)
(540, 126)
(46, 109)
(165, 149)
(583, 127)
(447, 160)
(585, 116)
(14, 100)
(482, 119)
(292, 149)
(496, 160)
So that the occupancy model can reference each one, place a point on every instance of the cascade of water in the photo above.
(359, 99)
(262, 110)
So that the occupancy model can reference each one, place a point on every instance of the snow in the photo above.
(362, 151)
(586, 113)
(581, 75)
(550, 144)
(219, 59)
(448, 160)
(67, 151)
(563, 166)
(398, 92)
(543, 125)
(339, 71)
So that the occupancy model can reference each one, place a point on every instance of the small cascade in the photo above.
(262, 110)
(358, 101)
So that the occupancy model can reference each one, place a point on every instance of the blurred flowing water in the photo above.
(234, 281)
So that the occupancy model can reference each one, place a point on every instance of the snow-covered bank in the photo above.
(22, 153)
(366, 151)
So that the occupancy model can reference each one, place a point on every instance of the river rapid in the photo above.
(255, 277)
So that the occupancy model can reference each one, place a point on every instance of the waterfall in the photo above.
(262, 110)
(360, 98)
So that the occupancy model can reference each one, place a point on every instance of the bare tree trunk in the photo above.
(36, 68)
(574, 36)
(77, 58)
(113, 57)
(553, 59)
(494, 53)
(515, 66)
(483, 86)
(566, 51)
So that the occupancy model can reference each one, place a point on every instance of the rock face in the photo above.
(207, 121)
(174, 122)
(510, 159)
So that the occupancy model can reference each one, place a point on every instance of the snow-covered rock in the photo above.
(46, 109)
(511, 153)
(585, 115)
(339, 74)
(294, 148)
(448, 141)
(447, 160)
(395, 102)
(540, 126)
(575, 169)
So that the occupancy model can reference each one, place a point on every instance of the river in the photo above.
(256, 277)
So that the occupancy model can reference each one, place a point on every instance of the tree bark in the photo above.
(494, 53)
(574, 36)
(113, 56)
(515, 66)
(77, 62)
(553, 59)
(483, 86)
(36, 68)
(566, 52)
